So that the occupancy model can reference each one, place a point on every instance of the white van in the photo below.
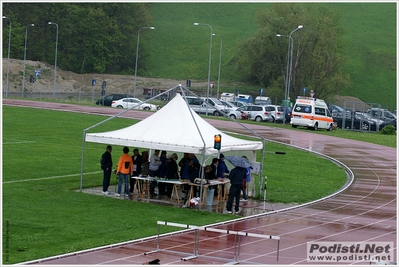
(311, 113)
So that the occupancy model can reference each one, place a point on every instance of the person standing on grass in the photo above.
(125, 170)
(106, 166)
(236, 176)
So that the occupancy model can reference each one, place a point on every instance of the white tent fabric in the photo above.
(173, 128)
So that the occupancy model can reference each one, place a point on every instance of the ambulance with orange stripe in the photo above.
(312, 113)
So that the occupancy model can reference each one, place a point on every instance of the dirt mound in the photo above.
(68, 81)
(351, 102)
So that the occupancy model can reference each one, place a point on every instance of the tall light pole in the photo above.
(210, 58)
(137, 58)
(220, 63)
(289, 65)
(23, 78)
(8, 62)
(55, 64)
(292, 48)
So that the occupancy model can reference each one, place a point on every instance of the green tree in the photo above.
(317, 51)
(92, 37)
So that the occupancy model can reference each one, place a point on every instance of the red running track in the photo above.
(365, 212)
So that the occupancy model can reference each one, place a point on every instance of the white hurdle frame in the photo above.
(237, 241)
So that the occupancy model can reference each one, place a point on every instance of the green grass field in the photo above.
(45, 214)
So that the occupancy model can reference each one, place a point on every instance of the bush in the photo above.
(389, 130)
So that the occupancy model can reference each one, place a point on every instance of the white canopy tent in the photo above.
(175, 127)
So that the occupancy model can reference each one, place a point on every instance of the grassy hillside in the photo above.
(178, 49)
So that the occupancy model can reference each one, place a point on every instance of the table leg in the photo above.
(175, 192)
(137, 187)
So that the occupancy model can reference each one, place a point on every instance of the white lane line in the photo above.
(18, 142)
(48, 178)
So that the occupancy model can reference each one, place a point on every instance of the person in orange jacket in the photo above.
(124, 170)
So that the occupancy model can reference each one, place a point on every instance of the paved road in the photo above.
(365, 212)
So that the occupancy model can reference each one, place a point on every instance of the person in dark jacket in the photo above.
(171, 173)
(236, 176)
(162, 170)
(106, 166)
(137, 161)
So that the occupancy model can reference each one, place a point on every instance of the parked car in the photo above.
(357, 122)
(383, 114)
(202, 105)
(239, 103)
(337, 111)
(277, 113)
(228, 105)
(130, 102)
(256, 113)
(380, 123)
(107, 100)
(231, 110)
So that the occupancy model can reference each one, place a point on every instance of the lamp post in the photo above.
(55, 64)
(292, 48)
(220, 63)
(23, 78)
(8, 61)
(137, 58)
(289, 65)
(210, 58)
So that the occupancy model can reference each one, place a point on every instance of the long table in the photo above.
(139, 191)
(222, 195)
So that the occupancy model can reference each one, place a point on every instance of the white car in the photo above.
(130, 102)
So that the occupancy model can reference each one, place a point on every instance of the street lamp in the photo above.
(55, 64)
(23, 78)
(210, 58)
(220, 63)
(289, 65)
(137, 57)
(8, 62)
(292, 48)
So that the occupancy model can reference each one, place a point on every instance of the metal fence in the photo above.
(356, 117)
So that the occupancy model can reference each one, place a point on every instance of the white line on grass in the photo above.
(47, 178)
(18, 142)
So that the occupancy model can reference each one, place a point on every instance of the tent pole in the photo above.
(83, 156)
(261, 168)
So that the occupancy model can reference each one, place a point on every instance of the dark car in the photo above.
(357, 122)
(107, 100)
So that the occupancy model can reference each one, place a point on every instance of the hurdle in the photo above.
(237, 239)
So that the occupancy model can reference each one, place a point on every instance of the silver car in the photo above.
(257, 113)
(230, 110)
(277, 113)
